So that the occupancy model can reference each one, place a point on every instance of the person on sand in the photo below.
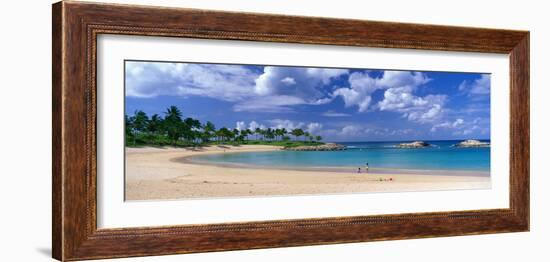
(359, 170)
(367, 168)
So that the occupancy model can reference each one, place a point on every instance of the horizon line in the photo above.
(407, 140)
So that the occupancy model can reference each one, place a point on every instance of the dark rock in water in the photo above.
(472, 143)
(323, 147)
(415, 144)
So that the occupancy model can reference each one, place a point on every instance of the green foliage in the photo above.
(172, 129)
(208, 131)
(141, 121)
(172, 124)
(129, 125)
(155, 124)
(286, 143)
(298, 132)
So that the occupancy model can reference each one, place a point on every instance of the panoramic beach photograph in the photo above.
(205, 130)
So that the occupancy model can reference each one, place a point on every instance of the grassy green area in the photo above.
(275, 143)
(145, 140)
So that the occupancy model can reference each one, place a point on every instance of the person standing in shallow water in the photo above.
(367, 168)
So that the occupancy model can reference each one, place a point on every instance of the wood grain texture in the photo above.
(75, 29)
(519, 129)
(57, 195)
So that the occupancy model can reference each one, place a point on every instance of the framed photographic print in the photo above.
(181, 130)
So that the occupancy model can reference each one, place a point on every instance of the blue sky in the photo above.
(338, 104)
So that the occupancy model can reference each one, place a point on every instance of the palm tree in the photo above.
(190, 127)
(263, 134)
(173, 124)
(277, 132)
(141, 121)
(219, 135)
(224, 133)
(236, 133)
(297, 132)
(193, 123)
(154, 124)
(173, 113)
(270, 133)
(283, 132)
(208, 130)
(128, 124)
(247, 132)
(228, 134)
(306, 135)
(172, 127)
(129, 127)
(257, 131)
(280, 132)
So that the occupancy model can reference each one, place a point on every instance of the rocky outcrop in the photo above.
(415, 144)
(472, 143)
(323, 147)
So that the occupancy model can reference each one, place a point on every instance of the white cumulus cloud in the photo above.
(480, 86)
(240, 125)
(279, 89)
(224, 82)
(288, 81)
(285, 123)
(314, 128)
(273, 104)
(253, 125)
(292, 86)
(419, 109)
(331, 113)
(351, 131)
(464, 128)
(362, 86)
(458, 122)
(276, 89)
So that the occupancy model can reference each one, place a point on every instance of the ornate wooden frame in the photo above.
(76, 26)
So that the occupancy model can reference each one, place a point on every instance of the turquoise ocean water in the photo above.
(440, 156)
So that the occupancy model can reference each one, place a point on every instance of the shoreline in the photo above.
(166, 173)
(339, 169)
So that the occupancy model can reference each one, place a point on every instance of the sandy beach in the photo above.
(167, 173)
